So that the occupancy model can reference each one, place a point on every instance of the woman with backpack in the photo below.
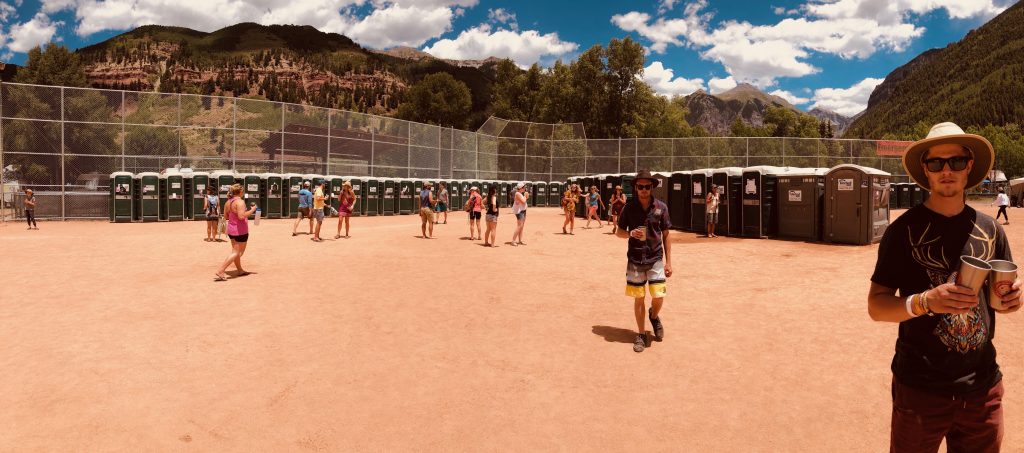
(211, 207)
(491, 203)
(473, 206)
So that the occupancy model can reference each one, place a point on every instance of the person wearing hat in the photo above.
(305, 208)
(645, 222)
(474, 206)
(711, 211)
(569, 200)
(1003, 202)
(427, 202)
(946, 382)
(615, 203)
(346, 204)
(319, 202)
(30, 209)
(519, 210)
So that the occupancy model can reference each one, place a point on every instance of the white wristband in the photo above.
(910, 310)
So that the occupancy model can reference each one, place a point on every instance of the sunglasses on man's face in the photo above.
(956, 163)
(644, 186)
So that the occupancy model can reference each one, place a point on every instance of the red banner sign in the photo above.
(891, 147)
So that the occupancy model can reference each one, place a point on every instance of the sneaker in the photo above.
(659, 331)
(639, 343)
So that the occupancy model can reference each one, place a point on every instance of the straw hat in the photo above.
(944, 133)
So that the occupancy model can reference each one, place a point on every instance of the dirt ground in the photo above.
(116, 338)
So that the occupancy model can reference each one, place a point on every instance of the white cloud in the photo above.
(790, 97)
(759, 54)
(7, 12)
(846, 101)
(717, 85)
(36, 32)
(524, 48)
(398, 25)
(502, 16)
(664, 82)
(665, 6)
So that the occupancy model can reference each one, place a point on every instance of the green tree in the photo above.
(625, 67)
(438, 99)
(54, 65)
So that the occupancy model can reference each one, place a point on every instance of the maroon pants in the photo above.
(972, 423)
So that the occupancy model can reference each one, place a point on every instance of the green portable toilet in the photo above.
(149, 184)
(700, 183)
(372, 191)
(335, 190)
(389, 201)
(200, 181)
(454, 195)
(679, 200)
(174, 202)
(802, 203)
(121, 197)
(252, 191)
(405, 195)
(275, 200)
(186, 177)
(918, 195)
(222, 180)
(893, 195)
(760, 204)
(290, 205)
(729, 181)
(555, 193)
(539, 194)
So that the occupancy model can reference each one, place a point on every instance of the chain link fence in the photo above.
(64, 142)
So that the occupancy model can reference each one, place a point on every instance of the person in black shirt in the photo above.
(645, 221)
(946, 382)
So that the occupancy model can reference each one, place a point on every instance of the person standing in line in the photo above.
(475, 206)
(645, 222)
(442, 202)
(711, 203)
(519, 209)
(427, 202)
(319, 202)
(946, 382)
(211, 206)
(1002, 201)
(305, 208)
(238, 231)
(593, 201)
(616, 202)
(346, 204)
(569, 200)
(30, 209)
(491, 204)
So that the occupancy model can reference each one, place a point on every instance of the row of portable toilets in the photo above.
(845, 204)
(174, 195)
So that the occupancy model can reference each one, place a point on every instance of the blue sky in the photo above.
(814, 53)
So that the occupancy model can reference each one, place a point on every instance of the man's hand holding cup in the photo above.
(1011, 300)
(952, 298)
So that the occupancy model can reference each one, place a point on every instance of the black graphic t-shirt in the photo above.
(656, 219)
(945, 354)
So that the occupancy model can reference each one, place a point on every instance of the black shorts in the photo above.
(474, 215)
(240, 237)
(304, 212)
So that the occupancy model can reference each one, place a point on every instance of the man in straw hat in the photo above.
(645, 221)
(946, 382)
(427, 202)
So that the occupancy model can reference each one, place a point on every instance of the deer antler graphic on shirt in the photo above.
(987, 240)
(922, 249)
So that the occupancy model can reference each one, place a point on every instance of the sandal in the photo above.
(337, 236)
(218, 278)
(244, 273)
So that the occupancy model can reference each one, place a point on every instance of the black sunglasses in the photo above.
(644, 186)
(956, 163)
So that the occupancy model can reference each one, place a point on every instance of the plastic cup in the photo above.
(1000, 281)
(643, 233)
(973, 272)
(256, 220)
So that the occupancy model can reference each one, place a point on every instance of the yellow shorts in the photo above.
(639, 276)
(426, 215)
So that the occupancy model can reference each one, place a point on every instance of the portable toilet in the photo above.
(661, 191)
(200, 181)
(334, 190)
(389, 197)
(627, 185)
(372, 191)
(584, 183)
(454, 195)
(554, 189)
(252, 191)
(856, 208)
(222, 179)
(700, 183)
(802, 203)
(121, 197)
(893, 196)
(607, 188)
(917, 196)
(678, 201)
(290, 205)
(730, 202)
(174, 202)
(274, 199)
(759, 206)
(149, 184)
(188, 197)
(539, 194)
(405, 195)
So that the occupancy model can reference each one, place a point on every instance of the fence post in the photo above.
(63, 189)
(620, 155)
(746, 151)
(373, 143)
(123, 135)
(408, 150)
(3, 187)
(283, 106)
(707, 153)
(525, 144)
(783, 151)
(328, 145)
(234, 130)
(551, 159)
(438, 152)
(177, 130)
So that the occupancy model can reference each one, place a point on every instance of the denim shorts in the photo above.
(521, 216)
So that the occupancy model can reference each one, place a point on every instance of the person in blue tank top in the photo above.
(305, 208)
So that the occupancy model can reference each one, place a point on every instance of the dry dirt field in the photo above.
(116, 338)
